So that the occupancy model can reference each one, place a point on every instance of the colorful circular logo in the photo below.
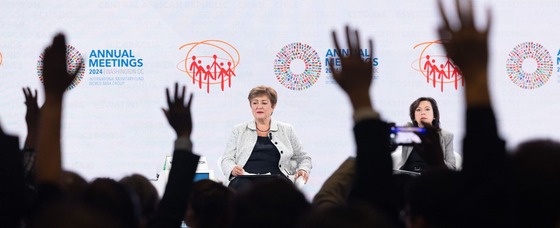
(529, 65)
(297, 66)
(73, 60)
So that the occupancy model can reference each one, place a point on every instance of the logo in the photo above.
(297, 66)
(210, 62)
(73, 60)
(332, 58)
(114, 67)
(437, 68)
(529, 65)
(557, 64)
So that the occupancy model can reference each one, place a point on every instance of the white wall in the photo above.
(115, 130)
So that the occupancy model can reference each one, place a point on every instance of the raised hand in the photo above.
(56, 80)
(32, 114)
(31, 117)
(55, 74)
(466, 45)
(179, 114)
(355, 74)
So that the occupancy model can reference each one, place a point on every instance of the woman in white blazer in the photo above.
(264, 145)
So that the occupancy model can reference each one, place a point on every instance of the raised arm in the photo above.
(485, 202)
(173, 204)
(467, 46)
(31, 118)
(56, 80)
(355, 75)
(373, 162)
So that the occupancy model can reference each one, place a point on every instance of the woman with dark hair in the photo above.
(424, 110)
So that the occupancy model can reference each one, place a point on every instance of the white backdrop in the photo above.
(113, 124)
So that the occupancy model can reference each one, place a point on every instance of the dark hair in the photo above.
(211, 204)
(435, 109)
(264, 90)
(147, 193)
(266, 203)
(114, 199)
(73, 184)
(536, 174)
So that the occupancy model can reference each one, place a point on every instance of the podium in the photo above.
(202, 172)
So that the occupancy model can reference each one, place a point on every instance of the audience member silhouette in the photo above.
(536, 176)
(114, 199)
(210, 205)
(274, 203)
(173, 204)
(12, 192)
(147, 195)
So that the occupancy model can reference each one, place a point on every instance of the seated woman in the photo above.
(425, 110)
(264, 145)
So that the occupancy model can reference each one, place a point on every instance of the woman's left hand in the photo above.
(302, 173)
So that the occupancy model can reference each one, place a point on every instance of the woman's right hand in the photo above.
(237, 170)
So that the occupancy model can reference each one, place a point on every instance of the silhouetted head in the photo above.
(72, 214)
(210, 205)
(536, 168)
(275, 203)
(73, 184)
(115, 199)
(146, 192)
(348, 216)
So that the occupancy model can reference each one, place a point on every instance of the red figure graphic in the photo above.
(193, 68)
(229, 73)
(449, 65)
(442, 76)
(199, 72)
(456, 73)
(223, 72)
(453, 71)
(214, 66)
(434, 71)
(207, 77)
(428, 68)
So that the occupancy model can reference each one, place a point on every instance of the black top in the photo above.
(414, 163)
(264, 158)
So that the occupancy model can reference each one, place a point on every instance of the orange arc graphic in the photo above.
(207, 42)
